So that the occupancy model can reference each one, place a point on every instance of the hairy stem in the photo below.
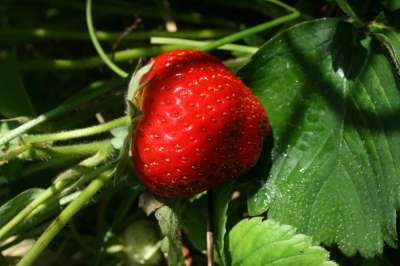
(192, 43)
(79, 133)
(12, 153)
(256, 29)
(80, 149)
(97, 89)
(61, 182)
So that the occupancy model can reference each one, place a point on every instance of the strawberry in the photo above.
(201, 125)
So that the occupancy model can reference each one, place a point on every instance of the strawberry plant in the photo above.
(241, 133)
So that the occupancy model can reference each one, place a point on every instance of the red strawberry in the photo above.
(200, 127)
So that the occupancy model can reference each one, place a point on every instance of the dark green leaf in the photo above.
(254, 242)
(16, 204)
(391, 4)
(334, 109)
(347, 8)
(194, 222)
(3, 261)
(222, 197)
(14, 101)
(391, 41)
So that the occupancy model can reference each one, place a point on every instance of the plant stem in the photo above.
(80, 149)
(61, 182)
(42, 33)
(79, 133)
(10, 154)
(5, 230)
(210, 229)
(256, 29)
(192, 43)
(96, 43)
(75, 150)
(65, 216)
(97, 88)
(70, 64)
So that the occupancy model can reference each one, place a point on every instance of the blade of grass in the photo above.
(65, 216)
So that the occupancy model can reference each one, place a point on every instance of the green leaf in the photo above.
(14, 100)
(253, 242)
(222, 198)
(16, 204)
(3, 261)
(194, 222)
(169, 225)
(334, 106)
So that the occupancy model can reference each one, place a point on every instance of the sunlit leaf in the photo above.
(334, 107)
(254, 242)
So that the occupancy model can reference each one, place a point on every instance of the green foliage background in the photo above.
(326, 187)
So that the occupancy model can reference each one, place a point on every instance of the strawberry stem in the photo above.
(79, 133)
(193, 43)
(45, 34)
(78, 149)
(94, 90)
(42, 152)
(256, 29)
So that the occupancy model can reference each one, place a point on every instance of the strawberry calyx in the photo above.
(134, 97)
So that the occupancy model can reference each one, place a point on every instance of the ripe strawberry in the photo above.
(200, 127)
